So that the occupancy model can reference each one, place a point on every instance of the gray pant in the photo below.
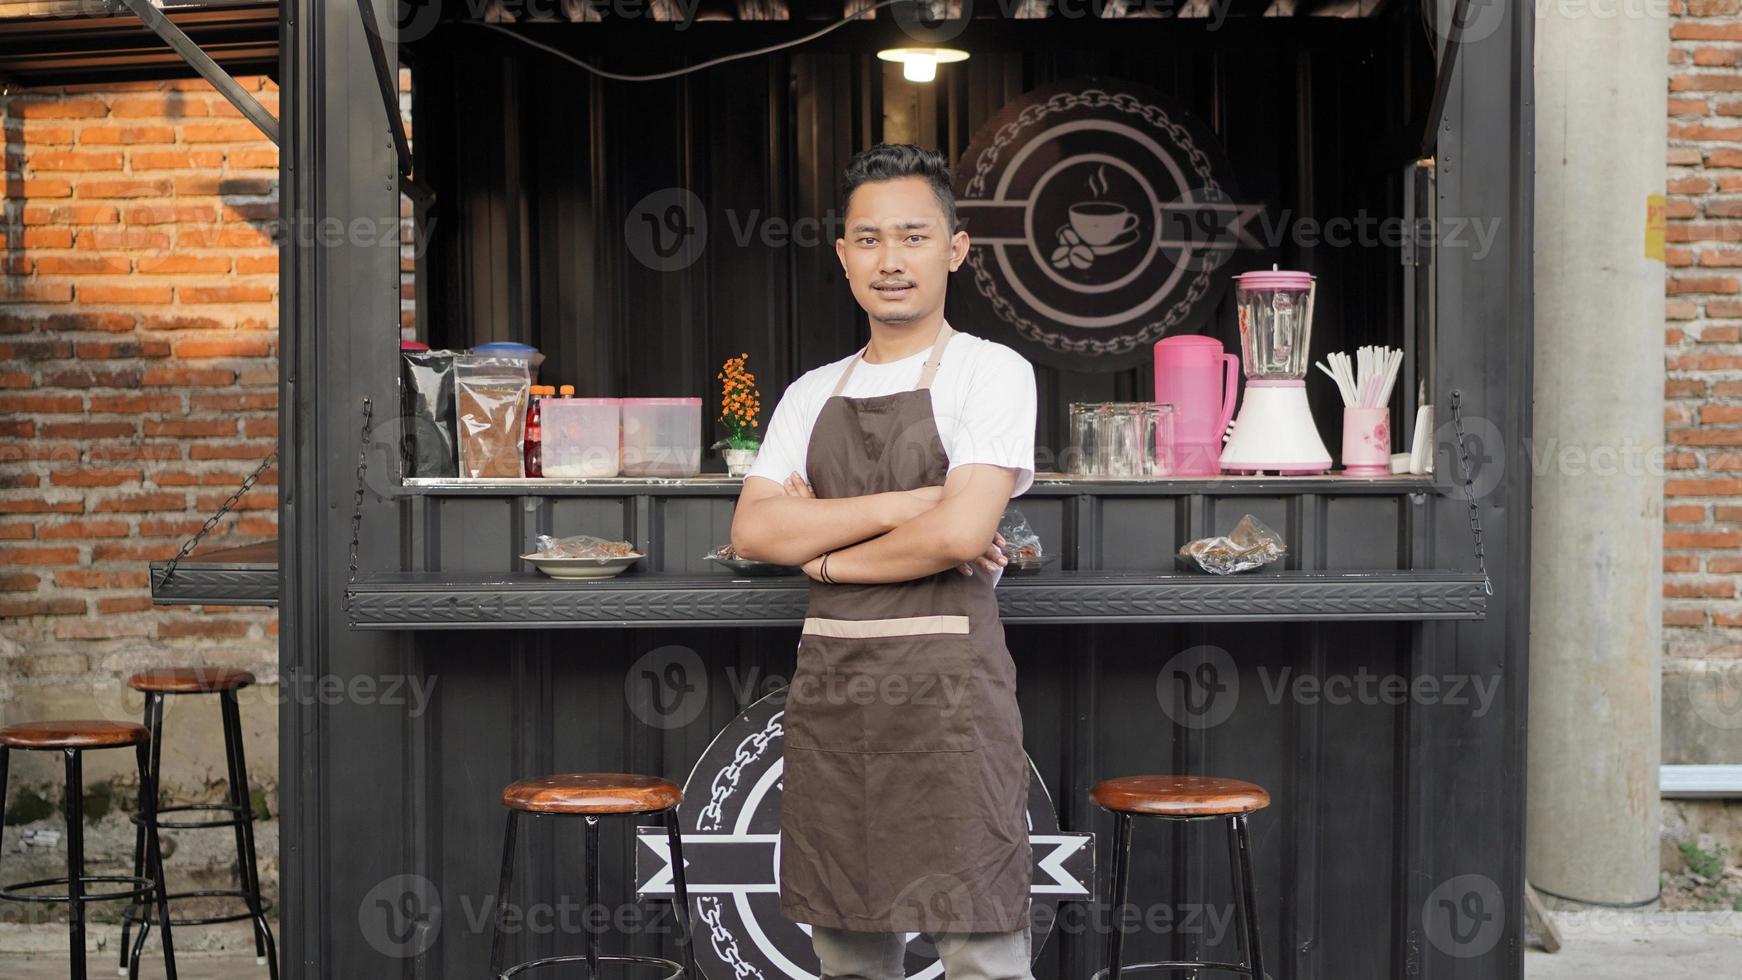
(849, 955)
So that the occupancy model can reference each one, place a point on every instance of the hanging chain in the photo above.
(357, 502)
(212, 521)
(1469, 488)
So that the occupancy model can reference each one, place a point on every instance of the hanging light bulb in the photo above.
(921, 64)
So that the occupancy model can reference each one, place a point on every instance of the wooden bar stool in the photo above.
(1185, 798)
(72, 739)
(592, 795)
(238, 814)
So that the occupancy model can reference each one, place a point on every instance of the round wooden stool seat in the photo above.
(592, 792)
(73, 735)
(1180, 796)
(190, 680)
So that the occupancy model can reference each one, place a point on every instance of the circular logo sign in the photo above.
(731, 837)
(1100, 218)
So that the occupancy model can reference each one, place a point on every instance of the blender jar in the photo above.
(1276, 322)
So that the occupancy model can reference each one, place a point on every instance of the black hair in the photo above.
(893, 161)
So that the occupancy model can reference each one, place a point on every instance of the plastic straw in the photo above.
(1366, 380)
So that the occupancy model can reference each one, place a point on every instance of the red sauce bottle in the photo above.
(534, 436)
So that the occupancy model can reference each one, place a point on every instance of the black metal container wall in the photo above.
(1377, 804)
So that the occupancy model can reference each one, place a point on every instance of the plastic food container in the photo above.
(662, 437)
(581, 436)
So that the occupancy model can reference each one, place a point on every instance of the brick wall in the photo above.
(1703, 383)
(138, 381)
(1703, 387)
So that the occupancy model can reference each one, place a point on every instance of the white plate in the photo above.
(582, 568)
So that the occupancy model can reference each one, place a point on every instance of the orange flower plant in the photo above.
(740, 403)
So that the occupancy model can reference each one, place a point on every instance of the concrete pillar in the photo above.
(1597, 522)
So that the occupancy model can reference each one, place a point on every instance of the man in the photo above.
(884, 475)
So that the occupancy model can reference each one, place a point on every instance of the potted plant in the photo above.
(739, 405)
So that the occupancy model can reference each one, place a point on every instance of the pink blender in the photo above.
(1275, 430)
(1200, 381)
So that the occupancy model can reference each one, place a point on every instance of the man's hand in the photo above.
(918, 501)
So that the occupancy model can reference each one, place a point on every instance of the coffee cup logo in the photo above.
(1100, 217)
(1101, 223)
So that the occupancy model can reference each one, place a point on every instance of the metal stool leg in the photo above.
(154, 853)
(1248, 901)
(497, 939)
(5, 771)
(153, 768)
(592, 874)
(1242, 938)
(1119, 891)
(126, 966)
(75, 807)
(247, 864)
(686, 929)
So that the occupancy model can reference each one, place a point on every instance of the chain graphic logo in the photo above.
(1100, 215)
(731, 849)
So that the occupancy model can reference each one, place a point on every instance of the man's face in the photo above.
(898, 251)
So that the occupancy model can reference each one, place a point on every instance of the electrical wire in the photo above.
(659, 76)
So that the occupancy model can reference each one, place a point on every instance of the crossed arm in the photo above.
(887, 537)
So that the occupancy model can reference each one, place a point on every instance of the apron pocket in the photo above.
(904, 693)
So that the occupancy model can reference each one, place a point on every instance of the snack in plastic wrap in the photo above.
(1250, 545)
(583, 546)
(728, 556)
(1021, 544)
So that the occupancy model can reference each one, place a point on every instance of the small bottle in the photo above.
(568, 391)
(534, 436)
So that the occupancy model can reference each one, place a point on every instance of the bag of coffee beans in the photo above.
(490, 396)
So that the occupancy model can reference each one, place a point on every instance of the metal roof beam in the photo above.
(387, 80)
(241, 98)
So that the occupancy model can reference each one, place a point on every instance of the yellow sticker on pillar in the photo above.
(1654, 208)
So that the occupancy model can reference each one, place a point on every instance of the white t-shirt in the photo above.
(983, 399)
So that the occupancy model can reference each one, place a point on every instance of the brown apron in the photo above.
(903, 804)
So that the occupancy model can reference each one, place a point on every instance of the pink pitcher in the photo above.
(1194, 375)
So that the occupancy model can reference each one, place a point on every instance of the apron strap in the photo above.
(937, 356)
(925, 376)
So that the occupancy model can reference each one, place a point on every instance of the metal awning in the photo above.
(509, 11)
(77, 42)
